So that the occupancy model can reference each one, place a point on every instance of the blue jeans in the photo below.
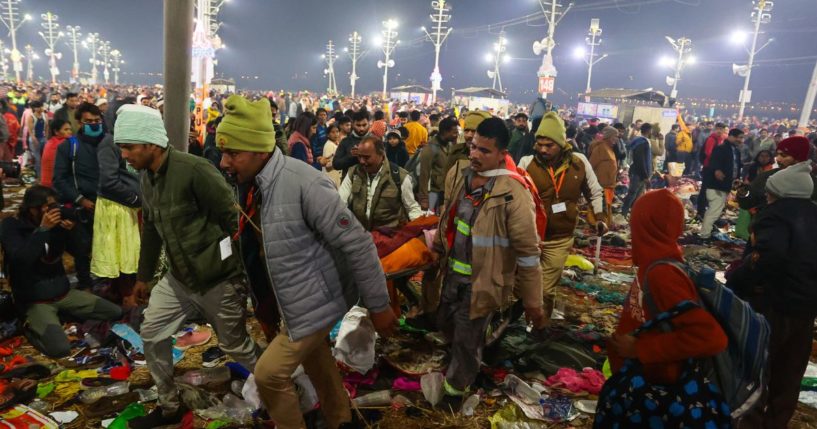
(637, 187)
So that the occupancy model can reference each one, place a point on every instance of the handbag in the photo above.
(629, 400)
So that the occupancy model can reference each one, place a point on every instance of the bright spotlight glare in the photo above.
(506, 59)
(738, 37)
(666, 61)
(579, 52)
(692, 60)
(489, 57)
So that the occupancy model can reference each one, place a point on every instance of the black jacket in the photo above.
(725, 157)
(397, 155)
(36, 275)
(77, 175)
(343, 159)
(753, 196)
(116, 183)
(786, 262)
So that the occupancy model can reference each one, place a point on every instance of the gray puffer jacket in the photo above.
(319, 257)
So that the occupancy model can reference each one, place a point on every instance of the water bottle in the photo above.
(470, 405)
(147, 395)
(203, 376)
(521, 389)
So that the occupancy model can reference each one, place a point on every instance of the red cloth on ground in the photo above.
(657, 221)
(7, 347)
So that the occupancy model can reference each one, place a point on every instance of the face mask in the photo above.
(92, 130)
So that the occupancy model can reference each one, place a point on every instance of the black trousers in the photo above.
(789, 352)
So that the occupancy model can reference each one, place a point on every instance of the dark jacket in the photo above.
(725, 158)
(189, 209)
(753, 196)
(642, 158)
(76, 175)
(783, 259)
(670, 146)
(36, 275)
(116, 182)
(343, 159)
(397, 155)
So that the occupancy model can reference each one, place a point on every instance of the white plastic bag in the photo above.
(250, 392)
(432, 386)
(307, 395)
(355, 343)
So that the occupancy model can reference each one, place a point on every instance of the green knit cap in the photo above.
(247, 126)
(553, 127)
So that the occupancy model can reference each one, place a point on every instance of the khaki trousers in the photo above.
(273, 376)
(554, 255)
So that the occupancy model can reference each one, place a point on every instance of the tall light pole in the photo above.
(498, 56)
(593, 40)
(105, 51)
(30, 57)
(51, 35)
(808, 104)
(73, 40)
(10, 18)
(760, 15)
(440, 17)
(116, 60)
(355, 53)
(4, 64)
(547, 72)
(92, 43)
(329, 71)
(389, 43)
(683, 47)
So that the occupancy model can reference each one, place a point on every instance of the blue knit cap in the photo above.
(137, 124)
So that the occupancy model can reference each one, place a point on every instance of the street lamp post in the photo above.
(73, 36)
(105, 50)
(547, 72)
(51, 35)
(497, 57)
(9, 17)
(438, 34)
(30, 57)
(92, 43)
(683, 47)
(760, 15)
(593, 39)
(389, 44)
(355, 53)
(329, 71)
(116, 58)
(4, 65)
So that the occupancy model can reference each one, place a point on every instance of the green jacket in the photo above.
(189, 209)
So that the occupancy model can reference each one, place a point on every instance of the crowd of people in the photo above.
(277, 198)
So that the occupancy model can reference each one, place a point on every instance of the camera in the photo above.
(11, 169)
(66, 213)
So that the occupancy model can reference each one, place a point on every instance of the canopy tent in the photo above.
(648, 95)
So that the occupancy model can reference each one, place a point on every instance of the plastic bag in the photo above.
(250, 392)
(356, 337)
(432, 386)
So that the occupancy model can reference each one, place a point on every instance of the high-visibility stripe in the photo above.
(460, 267)
(527, 261)
(495, 241)
(463, 227)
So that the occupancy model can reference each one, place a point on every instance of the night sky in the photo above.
(281, 43)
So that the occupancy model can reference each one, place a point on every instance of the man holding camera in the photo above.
(33, 242)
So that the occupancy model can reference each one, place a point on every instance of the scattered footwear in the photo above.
(156, 418)
(193, 339)
(111, 405)
(213, 357)
(35, 371)
(17, 392)
(90, 383)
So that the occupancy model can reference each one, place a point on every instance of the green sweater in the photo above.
(189, 209)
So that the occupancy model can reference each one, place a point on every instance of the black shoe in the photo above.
(213, 357)
(157, 419)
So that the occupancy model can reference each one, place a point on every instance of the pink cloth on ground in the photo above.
(406, 384)
(589, 380)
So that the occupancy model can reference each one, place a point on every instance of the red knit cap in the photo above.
(797, 147)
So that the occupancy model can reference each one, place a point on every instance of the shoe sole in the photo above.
(193, 345)
(214, 363)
